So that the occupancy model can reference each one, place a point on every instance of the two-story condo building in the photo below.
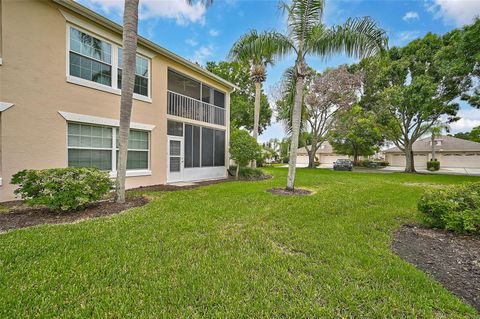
(60, 79)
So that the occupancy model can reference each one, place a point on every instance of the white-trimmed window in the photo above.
(141, 74)
(97, 63)
(90, 58)
(93, 145)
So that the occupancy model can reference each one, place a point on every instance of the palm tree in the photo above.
(130, 30)
(130, 27)
(307, 35)
(259, 57)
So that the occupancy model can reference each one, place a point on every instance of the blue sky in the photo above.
(206, 34)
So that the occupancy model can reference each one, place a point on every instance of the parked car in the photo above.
(342, 165)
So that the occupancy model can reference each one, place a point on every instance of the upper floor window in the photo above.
(141, 74)
(99, 61)
(90, 58)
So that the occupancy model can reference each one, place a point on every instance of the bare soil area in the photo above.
(20, 215)
(452, 259)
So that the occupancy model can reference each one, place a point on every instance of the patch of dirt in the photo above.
(21, 215)
(283, 191)
(453, 260)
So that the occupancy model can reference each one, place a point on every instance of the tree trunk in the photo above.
(296, 117)
(256, 114)
(313, 152)
(410, 165)
(355, 159)
(433, 147)
(130, 25)
(236, 172)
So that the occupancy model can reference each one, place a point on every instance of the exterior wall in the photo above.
(33, 77)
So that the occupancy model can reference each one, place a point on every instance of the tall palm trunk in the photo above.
(256, 115)
(296, 118)
(433, 146)
(130, 25)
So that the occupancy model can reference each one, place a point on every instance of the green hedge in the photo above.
(433, 165)
(62, 189)
(455, 208)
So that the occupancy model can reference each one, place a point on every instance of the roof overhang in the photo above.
(109, 24)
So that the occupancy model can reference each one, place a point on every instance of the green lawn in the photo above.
(233, 250)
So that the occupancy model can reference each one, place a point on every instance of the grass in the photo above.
(232, 250)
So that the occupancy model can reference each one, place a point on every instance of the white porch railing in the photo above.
(185, 106)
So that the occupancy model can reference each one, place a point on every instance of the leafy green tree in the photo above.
(356, 133)
(241, 101)
(410, 89)
(473, 135)
(460, 58)
(307, 35)
(243, 148)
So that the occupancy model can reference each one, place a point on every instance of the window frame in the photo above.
(114, 148)
(113, 88)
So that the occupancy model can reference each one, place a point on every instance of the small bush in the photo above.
(62, 188)
(247, 172)
(456, 208)
(433, 165)
(316, 163)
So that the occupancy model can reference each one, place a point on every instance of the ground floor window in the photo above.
(203, 146)
(92, 146)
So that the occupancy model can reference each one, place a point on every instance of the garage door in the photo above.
(330, 158)
(302, 159)
(468, 160)
(398, 160)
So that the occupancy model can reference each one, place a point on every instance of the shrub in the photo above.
(456, 208)
(433, 165)
(247, 172)
(243, 148)
(62, 188)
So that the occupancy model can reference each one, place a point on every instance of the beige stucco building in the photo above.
(60, 73)
(325, 155)
(450, 151)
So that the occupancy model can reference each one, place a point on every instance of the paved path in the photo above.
(394, 169)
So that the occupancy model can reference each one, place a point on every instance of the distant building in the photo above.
(449, 150)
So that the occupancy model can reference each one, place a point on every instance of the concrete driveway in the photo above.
(393, 169)
(443, 170)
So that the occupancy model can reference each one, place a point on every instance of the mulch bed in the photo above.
(295, 192)
(21, 216)
(453, 260)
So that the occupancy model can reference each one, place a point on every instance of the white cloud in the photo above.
(411, 15)
(470, 118)
(457, 12)
(202, 53)
(191, 42)
(407, 36)
(180, 11)
(213, 32)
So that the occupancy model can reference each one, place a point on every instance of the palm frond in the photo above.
(260, 48)
(303, 16)
(358, 37)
